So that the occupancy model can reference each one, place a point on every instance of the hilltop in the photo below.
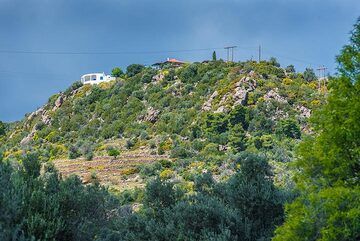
(186, 120)
(189, 151)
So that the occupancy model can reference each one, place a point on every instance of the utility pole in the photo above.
(259, 53)
(321, 76)
(230, 53)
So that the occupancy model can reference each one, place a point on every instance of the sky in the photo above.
(42, 42)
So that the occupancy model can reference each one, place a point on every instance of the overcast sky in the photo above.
(299, 32)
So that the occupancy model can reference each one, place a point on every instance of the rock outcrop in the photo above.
(151, 115)
(58, 102)
(208, 104)
(304, 112)
(159, 77)
(274, 95)
(27, 139)
(238, 95)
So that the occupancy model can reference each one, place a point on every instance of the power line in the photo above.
(230, 52)
(51, 52)
(290, 58)
(101, 52)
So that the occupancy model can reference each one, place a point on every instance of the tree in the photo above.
(290, 69)
(259, 204)
(146, 78)
(42, 206)
(2, 129)
(134, 69)
(117, 72)
(74, 86)
(189, 73)
(237, 138)
(214, 56)
(160, 194)
(349, 59)
(273, 61)
(289, 128)
(309, 75)
(239, 115)
(328, 182)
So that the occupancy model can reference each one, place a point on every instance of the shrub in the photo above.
(309, 74)
(87, 151)
(289, 128)
(111, 151)
(134, 69)
(74, 152)
(129, 171)
(117, 72)
(166, 174)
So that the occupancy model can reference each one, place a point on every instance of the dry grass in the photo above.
(111, 172)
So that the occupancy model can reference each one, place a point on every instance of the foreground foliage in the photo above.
(43, 206)
(329, 164)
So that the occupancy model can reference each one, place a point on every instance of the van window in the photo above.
(87, 78)
(101, 77)
(93, 77)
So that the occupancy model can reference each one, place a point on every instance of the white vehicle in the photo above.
(96, 78)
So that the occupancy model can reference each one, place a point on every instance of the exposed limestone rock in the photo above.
(35, 113)
(59, 101)
(249, 81)
(243, 87)
(151, 115)
(221, 109)
(223, 99)
(207, 105)
(223, 148)
(74, 92)
(27, 139)
(159, 77)
(279, 114)
(252, 74)
(273, 95)
(240, 96)
(304, 112)
(31, 116)
(46, 118)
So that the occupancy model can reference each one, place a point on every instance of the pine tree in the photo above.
(214, 56)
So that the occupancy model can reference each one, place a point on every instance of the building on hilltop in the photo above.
(168, 63)
(96, 78)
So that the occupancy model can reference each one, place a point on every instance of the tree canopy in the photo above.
(329, 163)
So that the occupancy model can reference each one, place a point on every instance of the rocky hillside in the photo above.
(195, 116)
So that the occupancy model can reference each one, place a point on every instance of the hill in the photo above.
(195, 116)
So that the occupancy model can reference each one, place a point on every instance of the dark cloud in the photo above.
(292, 30)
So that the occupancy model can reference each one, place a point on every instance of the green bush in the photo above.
(117, 72)
(111, 151)
(134, 69)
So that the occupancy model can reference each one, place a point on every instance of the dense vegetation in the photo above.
(200, 115)
(229, 130)
(45, 207)
(329, 165)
